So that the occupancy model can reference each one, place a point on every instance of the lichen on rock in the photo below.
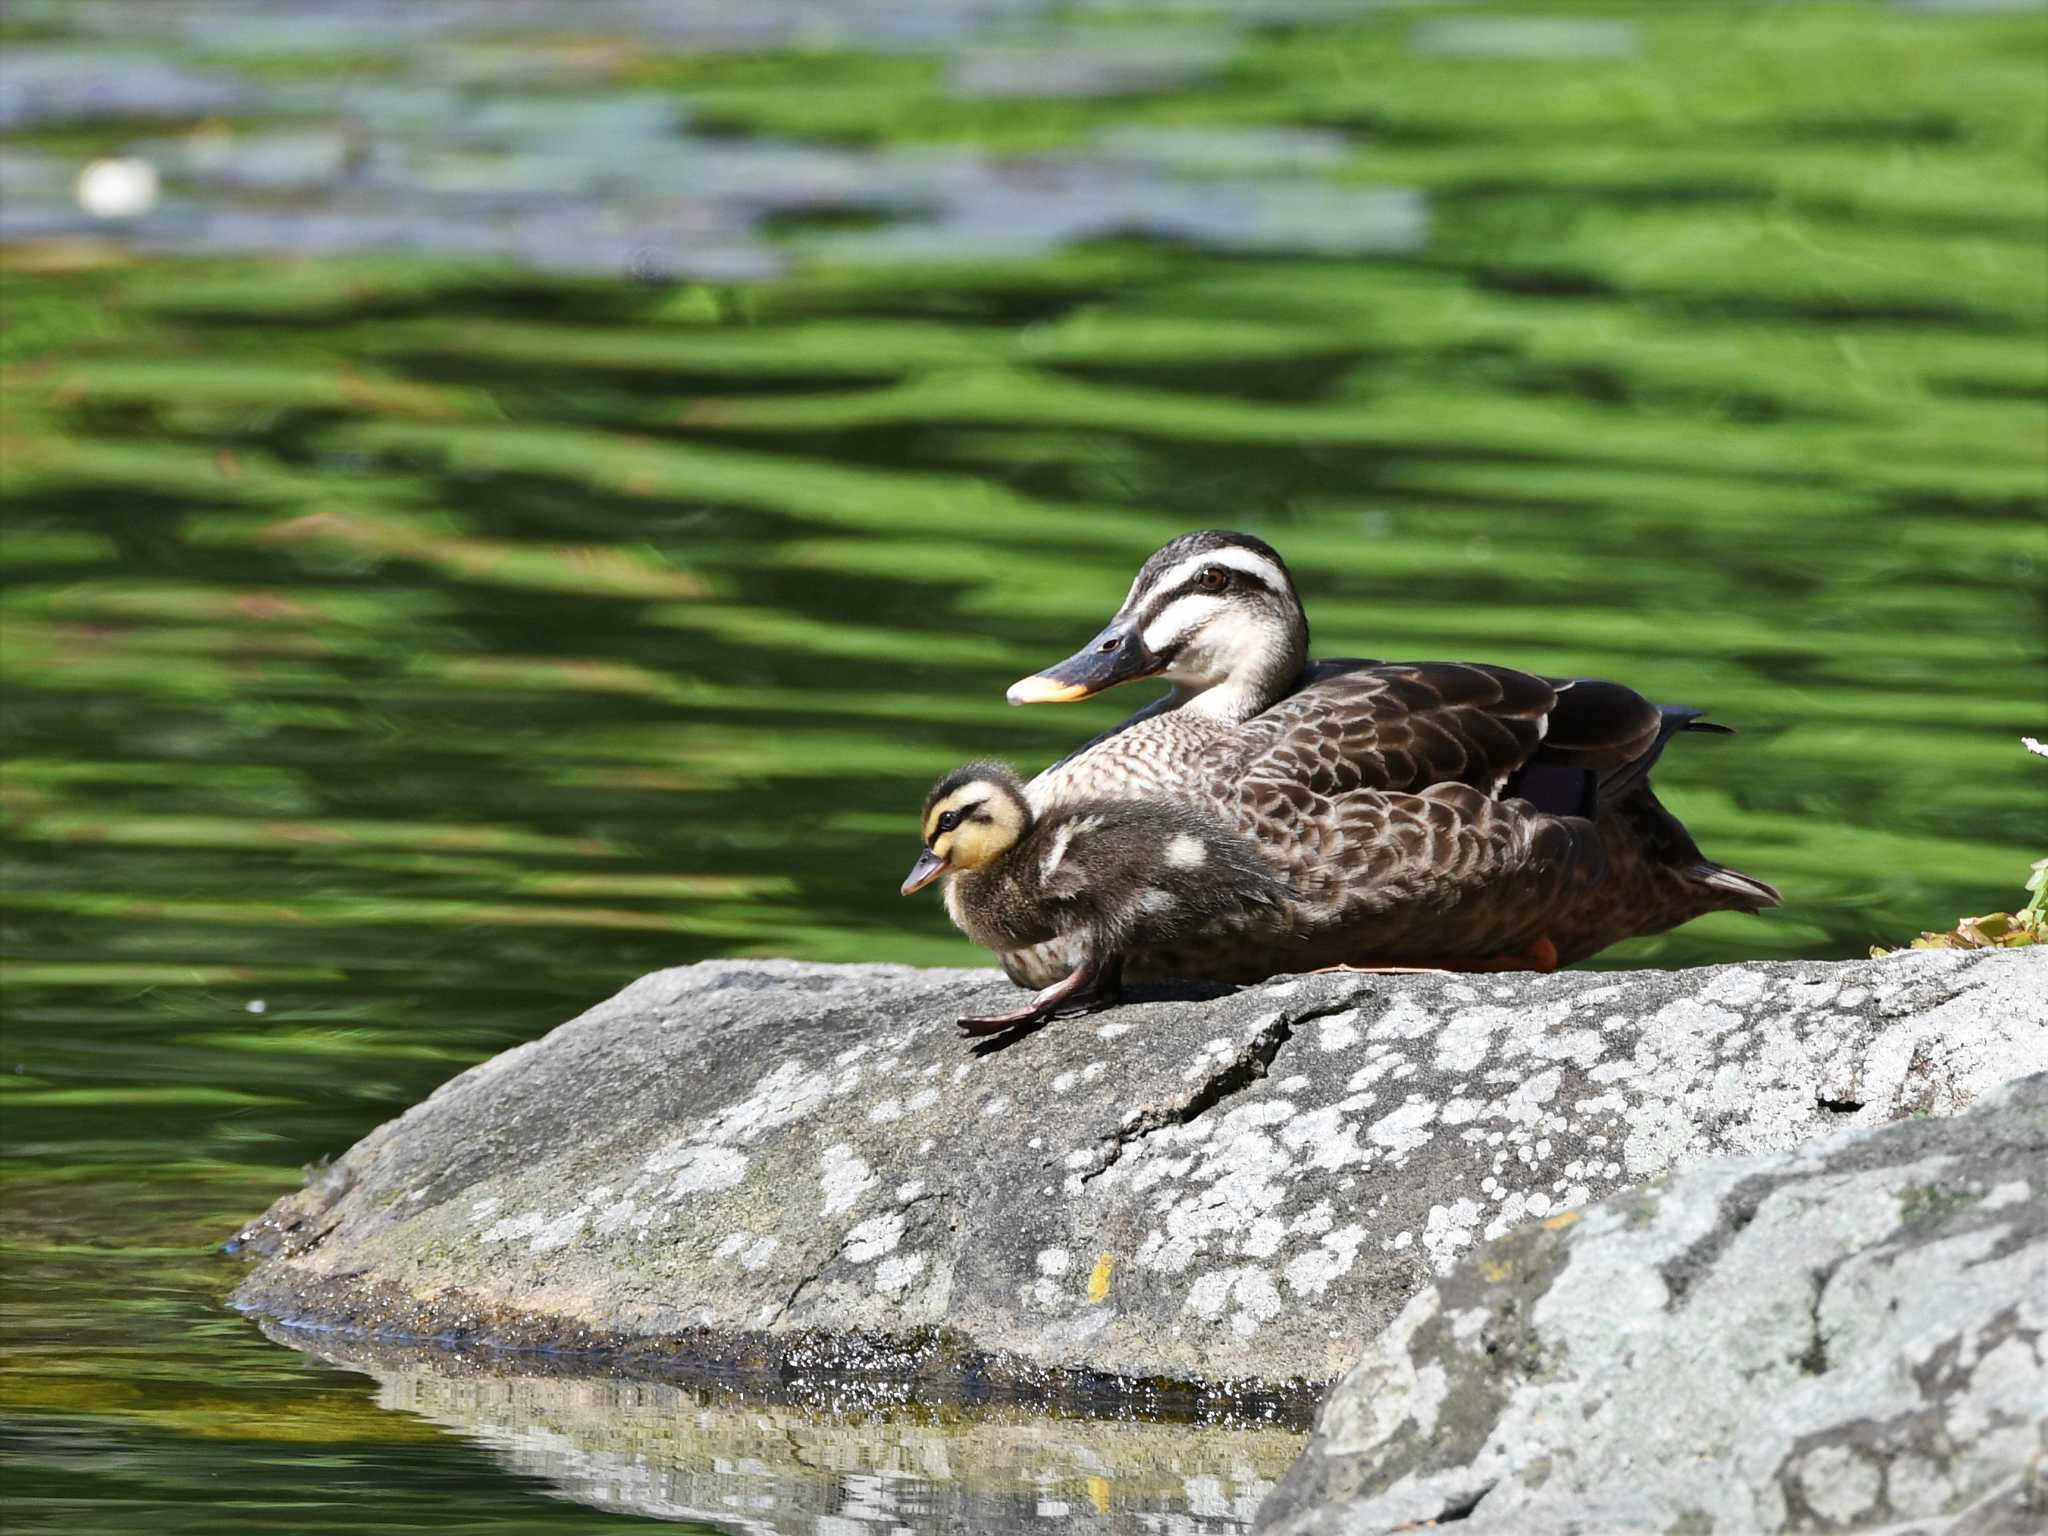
(749, 1162)
(1847, 1336)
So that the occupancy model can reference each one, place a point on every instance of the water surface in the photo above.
(684, 434)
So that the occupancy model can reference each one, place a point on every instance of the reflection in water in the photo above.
(824, 1462)
(581, 160)
(401, 655)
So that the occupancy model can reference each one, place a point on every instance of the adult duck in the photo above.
(1437, 814)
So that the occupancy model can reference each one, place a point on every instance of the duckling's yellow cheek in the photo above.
(942, 848)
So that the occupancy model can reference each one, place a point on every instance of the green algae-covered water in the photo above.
(537, 501)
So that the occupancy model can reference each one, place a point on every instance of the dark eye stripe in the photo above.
(950, 821)
(1158, 602)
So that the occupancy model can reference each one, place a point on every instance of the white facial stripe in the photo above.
(1179, 619)
(1248, 560)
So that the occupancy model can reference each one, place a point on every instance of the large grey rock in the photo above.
(756, 1164)
(1844, 1337)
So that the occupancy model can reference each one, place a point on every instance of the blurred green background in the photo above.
(538, 491)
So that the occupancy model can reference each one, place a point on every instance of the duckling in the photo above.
(1451, 814)
(1099, 876)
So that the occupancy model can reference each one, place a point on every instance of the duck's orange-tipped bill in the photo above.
(1040, 689)
(929, 867)
(1117, 655)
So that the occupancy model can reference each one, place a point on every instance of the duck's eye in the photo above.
(949, 821)
(1212, 578)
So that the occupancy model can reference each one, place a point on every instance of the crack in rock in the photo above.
(1813, 1360)
(803, 1283)
(1462, 1508)
(1245, 1067)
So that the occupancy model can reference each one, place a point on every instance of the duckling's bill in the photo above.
(1117, 655)
(929, 867)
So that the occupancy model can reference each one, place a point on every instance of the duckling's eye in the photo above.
(949, 821)
(1212, 578)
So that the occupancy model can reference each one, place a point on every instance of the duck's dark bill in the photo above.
(1115, 656)
(929, 867)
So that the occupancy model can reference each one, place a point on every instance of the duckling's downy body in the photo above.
(1097, 878)
(1423, 813)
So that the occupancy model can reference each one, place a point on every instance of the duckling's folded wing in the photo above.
(1074, 858)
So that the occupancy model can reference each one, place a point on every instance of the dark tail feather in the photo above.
(1627, 797)
(1632, 775)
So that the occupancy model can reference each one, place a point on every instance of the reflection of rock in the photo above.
(837, 1464)
(1851, 1336)
(763, 1164)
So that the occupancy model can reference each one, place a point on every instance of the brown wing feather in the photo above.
(1444, 875)
(1399, 726)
